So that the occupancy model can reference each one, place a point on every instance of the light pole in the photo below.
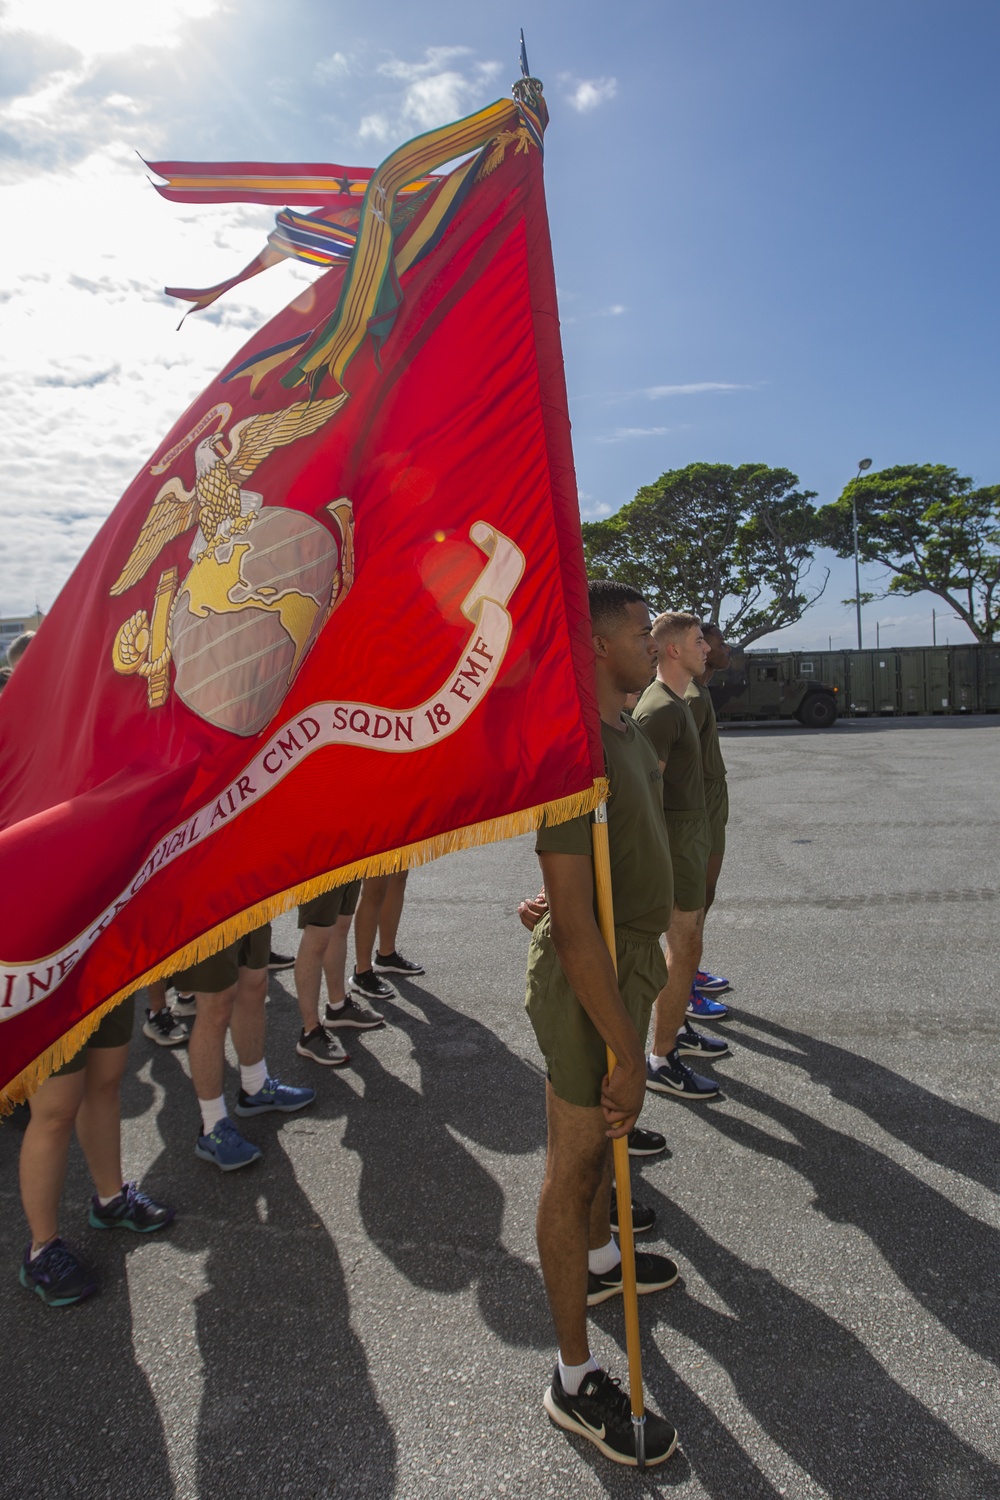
(865, 463)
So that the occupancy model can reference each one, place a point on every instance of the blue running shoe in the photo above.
(691, 1043)
(274, 1095)
(711, 984)
(675, 1077)
(130, 1210)
(226, 1147)
(57, 1274)
(704, 1008)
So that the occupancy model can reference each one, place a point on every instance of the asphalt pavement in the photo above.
(361, 1314)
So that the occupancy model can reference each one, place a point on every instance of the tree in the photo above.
(936, 534)
(733, 545)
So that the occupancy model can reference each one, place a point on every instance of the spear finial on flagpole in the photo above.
(525, 70)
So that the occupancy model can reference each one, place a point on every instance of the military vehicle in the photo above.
(817, 687)
(771, 685)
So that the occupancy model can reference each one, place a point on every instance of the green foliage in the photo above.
(735, 545)
(933, 532)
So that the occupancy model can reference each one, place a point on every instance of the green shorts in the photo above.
(114, 1031)
(690, 846)
(323, 911)
(717, 807)
(213, 975)
(574, 1051)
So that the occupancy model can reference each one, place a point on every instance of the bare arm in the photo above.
(586, 962)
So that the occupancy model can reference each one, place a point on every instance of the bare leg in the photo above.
(574, 1174)
(392, 910)
(309, 972)
(99, 1118)
(373, 893)
(156, 995)
(248, 1023)
(207, 1048)
(43, 1153)
(683, 956)
(335, 960)
(712, 878)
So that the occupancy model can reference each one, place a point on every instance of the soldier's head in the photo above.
(623, 647)
(679, 642)
(720, 653)
(18, 647)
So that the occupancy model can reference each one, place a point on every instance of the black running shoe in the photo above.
(322, 1046)
(646, 1142)
(643, 1218)
(602, 1413)
(371, 985)
(130, 1210)
(352, 1016)
(395, 963)
(691, 1043)
(675, 1077)
(653, 1273)
(57, 1274)
(278, 961)
(163, 1028)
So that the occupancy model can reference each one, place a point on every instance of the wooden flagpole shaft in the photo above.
(623, 1175)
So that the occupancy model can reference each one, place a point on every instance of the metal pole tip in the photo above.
(639, 1434)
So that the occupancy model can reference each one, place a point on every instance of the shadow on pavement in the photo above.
(424, 1199)
(808, 1382)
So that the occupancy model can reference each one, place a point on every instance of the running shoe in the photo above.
(602, 1413)
(711, 984)
(704, 1008)
(226, 1147)
(371, 985)
(643, 1218)
(395, 963)
(353, 1016)
(57, 1274)
(646, 1142)
(653, 1273)
(322, 1046)
(130, 1210)
(675, 1077)
(163, 1028)
(277, 961)
(691, 1043)
(184, 1005)
(274, 1095)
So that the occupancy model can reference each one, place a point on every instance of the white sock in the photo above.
(335, 1005)
(572, 1376)
(212, 1111)
(254, 1077)
(604, 1260)
(105, 1201)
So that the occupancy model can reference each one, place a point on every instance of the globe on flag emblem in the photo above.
(245, 618)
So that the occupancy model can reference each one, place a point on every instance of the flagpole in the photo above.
(623, 1175)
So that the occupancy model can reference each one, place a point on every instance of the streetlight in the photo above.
(864, 464)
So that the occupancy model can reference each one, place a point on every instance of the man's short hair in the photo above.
(609, 602)
(19, 646)
(672, 624)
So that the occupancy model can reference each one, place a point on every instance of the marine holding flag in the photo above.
(338, 623)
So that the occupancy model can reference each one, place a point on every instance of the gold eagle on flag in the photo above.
(216, 504)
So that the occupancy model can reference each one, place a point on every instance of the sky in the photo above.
(775, 232)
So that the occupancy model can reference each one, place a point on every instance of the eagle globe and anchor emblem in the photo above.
(263, 580)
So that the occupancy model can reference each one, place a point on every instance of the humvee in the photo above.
(765, 685)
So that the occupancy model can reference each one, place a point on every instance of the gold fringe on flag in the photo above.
(546, 814)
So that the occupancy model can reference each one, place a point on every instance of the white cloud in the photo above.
(436, 90)
(583, 94)
(624, 434)
(109, 26)
(334, 66)
(375, 128)
(696, 388)
(614, 311)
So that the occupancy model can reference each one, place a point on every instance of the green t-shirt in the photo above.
(699, 701)
(667, 721)
(642, 881)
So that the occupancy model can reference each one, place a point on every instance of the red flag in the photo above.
(338, 624)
